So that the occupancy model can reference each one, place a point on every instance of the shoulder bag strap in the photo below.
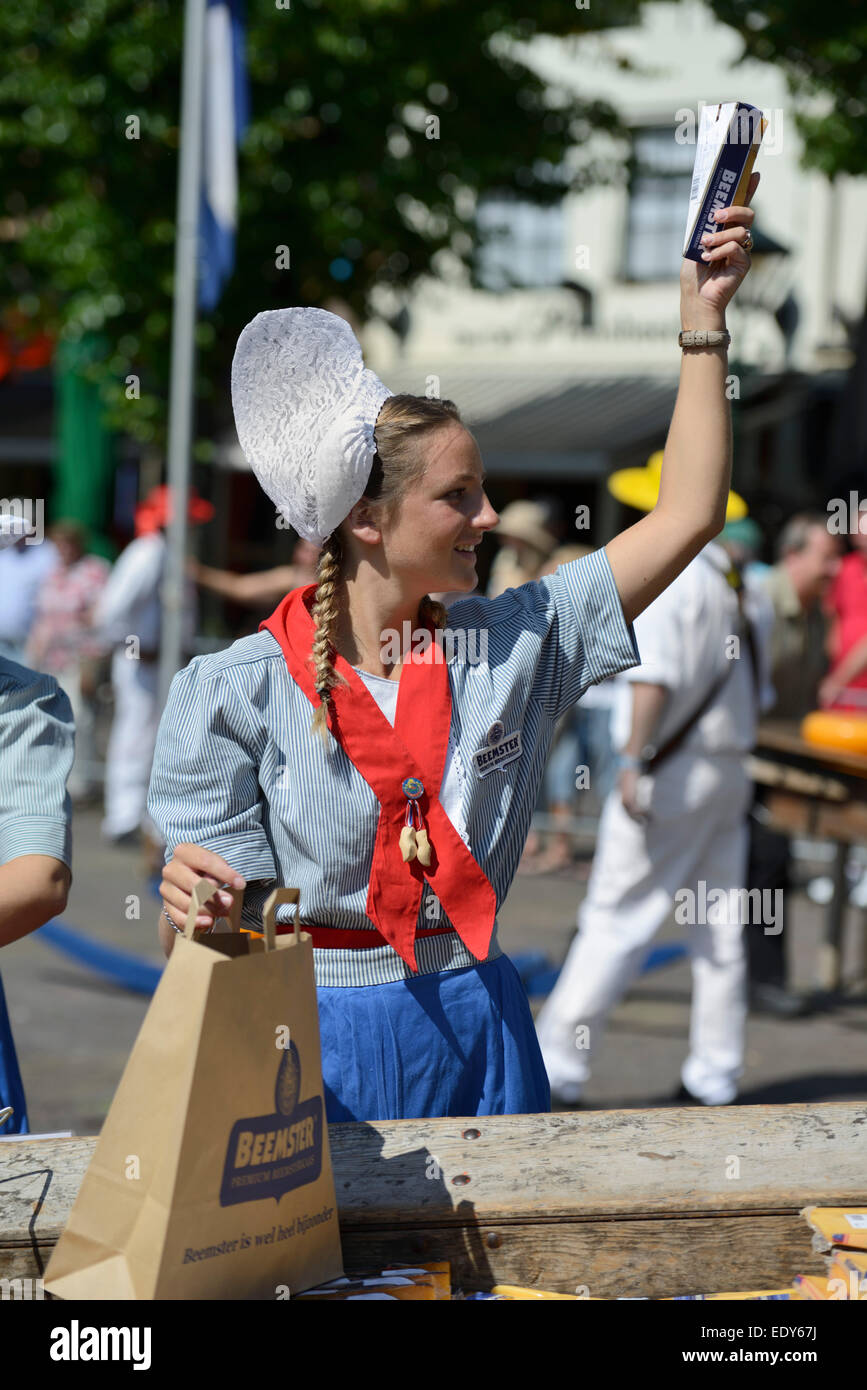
(677, 739)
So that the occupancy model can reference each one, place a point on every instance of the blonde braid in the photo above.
(325, 613)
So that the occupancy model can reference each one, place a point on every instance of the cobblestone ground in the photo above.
(74, 1031)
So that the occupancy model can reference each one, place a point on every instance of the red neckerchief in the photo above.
(385, 756)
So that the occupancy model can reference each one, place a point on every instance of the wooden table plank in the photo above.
(688, 1200)
(649, 1258)
(595, 1163)
(784, 737)
(795, 810)
(820, 820)
(602, 1162)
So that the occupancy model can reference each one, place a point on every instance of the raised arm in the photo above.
(264, 586)
(696, 469)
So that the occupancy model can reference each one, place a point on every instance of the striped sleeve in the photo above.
(36, 751)
(594, 640)
(204, 787)
(556, 635)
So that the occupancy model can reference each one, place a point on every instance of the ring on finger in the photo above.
(748, 243)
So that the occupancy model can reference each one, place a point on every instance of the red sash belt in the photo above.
(345, 939)
(338, 939)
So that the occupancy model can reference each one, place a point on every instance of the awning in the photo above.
(552, 424)
(576, 428)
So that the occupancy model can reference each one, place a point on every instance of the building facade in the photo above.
(564, 359)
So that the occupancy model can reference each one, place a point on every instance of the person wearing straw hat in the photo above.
(392, 787)
(673, 834)
(525, 544)
(37, 742)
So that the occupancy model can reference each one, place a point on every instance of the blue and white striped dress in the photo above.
(238, 771)
(36, 751)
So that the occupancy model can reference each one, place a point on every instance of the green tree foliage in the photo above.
(338, 163)
(823, 51)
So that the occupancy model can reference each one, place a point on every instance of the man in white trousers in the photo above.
(129, 616)
(670, 835)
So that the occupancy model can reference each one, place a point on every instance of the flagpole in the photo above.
(182, 385)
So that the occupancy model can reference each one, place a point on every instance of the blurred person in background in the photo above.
(809, 559)
(684, 724)
(36, 751)
(845, 685)
(744, 542)
(262, 587)
(582, 745)
(23, 566)
(808, 563)
(526, 542)
(64, 644)
(128, 616)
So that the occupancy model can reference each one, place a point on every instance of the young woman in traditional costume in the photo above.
(395, 788)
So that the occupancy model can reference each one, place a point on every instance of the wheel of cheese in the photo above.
(836, 730)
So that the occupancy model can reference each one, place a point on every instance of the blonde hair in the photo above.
(402, 428)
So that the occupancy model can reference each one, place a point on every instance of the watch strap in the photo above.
(704, 337)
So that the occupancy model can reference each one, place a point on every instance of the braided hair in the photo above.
(398, 463)
(325, 612)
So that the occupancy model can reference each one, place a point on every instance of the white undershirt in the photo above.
(384, 693)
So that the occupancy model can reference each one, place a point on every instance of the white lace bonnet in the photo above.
(305, 408)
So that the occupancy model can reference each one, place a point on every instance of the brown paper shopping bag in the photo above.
(212, 1176)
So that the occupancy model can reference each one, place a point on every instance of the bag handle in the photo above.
(204, 889)
(269, 913)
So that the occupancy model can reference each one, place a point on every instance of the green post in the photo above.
(84, 448)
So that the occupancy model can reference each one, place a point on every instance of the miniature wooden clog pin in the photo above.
(413, 843)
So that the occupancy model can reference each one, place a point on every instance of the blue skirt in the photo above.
(457, 1042)
(11, 1086)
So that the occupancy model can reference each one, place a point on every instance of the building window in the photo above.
(521, 245)
(658, 204)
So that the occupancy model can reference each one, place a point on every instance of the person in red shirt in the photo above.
(845, 685)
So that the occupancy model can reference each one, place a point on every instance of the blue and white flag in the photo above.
(225, 116)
